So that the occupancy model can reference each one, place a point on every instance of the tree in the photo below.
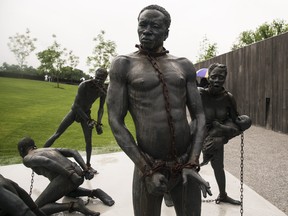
(10, 68)
(55, 58)
(263, 32)
(50, 60)
(207, 50)
(72, 60)
(47, 60)
(102, 53)
(72, 75)
(22, 45)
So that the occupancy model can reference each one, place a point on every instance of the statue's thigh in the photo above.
(144, 204)
(57, 188)
(187, 199)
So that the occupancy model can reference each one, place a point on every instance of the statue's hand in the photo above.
(99, 128)
(91, 123)
(216, 124)
(194, 176)
(214, 143)
(88, 174)
(156, 184)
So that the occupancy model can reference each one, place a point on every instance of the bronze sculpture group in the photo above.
(156, 88)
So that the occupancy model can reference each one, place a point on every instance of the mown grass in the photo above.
(35, 109)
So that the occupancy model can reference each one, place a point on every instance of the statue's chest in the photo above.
(146, 77)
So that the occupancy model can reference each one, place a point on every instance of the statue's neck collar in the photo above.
(152, 54)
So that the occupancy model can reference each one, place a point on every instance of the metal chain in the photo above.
(153, 61)
(208, 200)
(241, 172)
(32, 181)
(241, 176)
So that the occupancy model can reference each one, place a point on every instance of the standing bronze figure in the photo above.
(223, 122)
(156, 87)
(88, 92)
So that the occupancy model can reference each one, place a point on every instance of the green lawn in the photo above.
(35, 109)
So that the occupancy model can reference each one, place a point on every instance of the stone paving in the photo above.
(115, 178)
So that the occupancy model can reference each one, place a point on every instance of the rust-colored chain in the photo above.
(153, 61)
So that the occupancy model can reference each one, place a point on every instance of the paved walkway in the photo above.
(265, 163)
(115, 178)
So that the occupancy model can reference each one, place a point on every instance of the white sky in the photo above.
(77, 22)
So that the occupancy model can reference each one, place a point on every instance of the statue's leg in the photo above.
(88, 140)
(52, 208)
(187, 199)
(96, 193)
(219, 172)
(78, 206)
(217, 164)
(144, 204)
(65, 123)
(57, 188)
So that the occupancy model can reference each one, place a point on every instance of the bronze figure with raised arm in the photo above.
(88, 92)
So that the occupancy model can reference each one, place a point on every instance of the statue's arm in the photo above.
(195, 108)
(101, 108)
(75, 154)
(117, 103)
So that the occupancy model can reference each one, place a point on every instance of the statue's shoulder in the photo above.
(125, 56)
(85, 83)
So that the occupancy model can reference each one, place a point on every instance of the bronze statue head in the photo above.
(24, 145)
(101, 74)
(160, 9)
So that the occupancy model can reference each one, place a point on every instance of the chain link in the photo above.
(241, 172)
(153, 61)
(32, 181)
(208, 200)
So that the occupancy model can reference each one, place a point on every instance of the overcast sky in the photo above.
(77, 22)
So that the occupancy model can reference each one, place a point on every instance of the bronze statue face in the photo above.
(101, 75)
(217, 79)
(152, 31)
